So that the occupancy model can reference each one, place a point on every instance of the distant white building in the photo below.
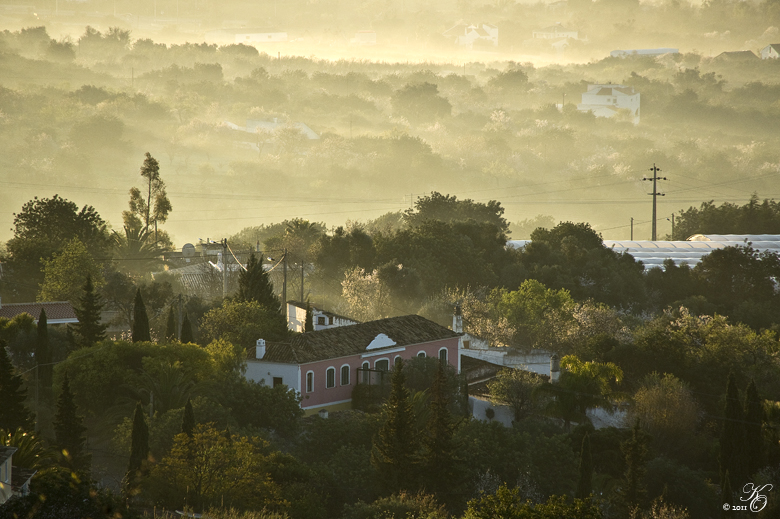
(555, 32)
(468, 35)
(771, 51)
(364, 38)
(321, 320)
(246, 36)
(608, 100)
(643, 52)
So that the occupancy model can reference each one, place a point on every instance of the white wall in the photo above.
(264, 372)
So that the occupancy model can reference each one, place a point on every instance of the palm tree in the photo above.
(137, 249)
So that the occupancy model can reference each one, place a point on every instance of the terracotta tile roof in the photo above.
(56, 312)
(343, 341)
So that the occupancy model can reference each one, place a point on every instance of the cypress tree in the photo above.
(140, 320)
(440, 455)
(43, 353)
(254, 284)
(170, 326)
(754, 419)
(635, 453)
(88, 330)
(726, 496)
(732, 439)
(188, 420)
(309, 325)
(69, 430)
(139, 451)
(186, 330)
(13, 413)
(395, 448)
(585, 482)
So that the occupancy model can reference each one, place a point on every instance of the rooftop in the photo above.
(57, 312)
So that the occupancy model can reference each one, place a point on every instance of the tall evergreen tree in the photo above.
(440, 453)
(69, 430)
(186, 330)
(732, 439)
(635, 453)
(13, 413)
(188, 420)
(395, 448)
(754, 419)
(726, 496)
(254, 284)
(43, 353)
(89, 330)
(170, 326)
(585, 482)
(309, 325)
(140, 320)
(139, 450)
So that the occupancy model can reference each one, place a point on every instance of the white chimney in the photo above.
(260, 349)
(555, 368)
(457, 320)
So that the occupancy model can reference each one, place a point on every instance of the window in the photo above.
(278, 381)
(345, 375)
(466, 344)
(321, 321)
(330, 378)
(309, 381)
(382, 365)
(366, 374)
(443, 355)
(421, 354)
(397, 360)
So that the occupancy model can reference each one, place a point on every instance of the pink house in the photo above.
(323, 365)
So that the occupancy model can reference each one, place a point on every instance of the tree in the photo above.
(447, 208)
(186, 330)
(726, 495)
(732, 438)
(508, 503)
(533, 309)
(139, 450)
(69, 431)
(517, 388)
(89, 330)
(13, 413)
(43, 353)
(440, 455)
(635, 454)
(42, 228)
(170, 325)
(754, 420)
(64, 275)
(188, 420)
(242, 323)
(395, 448)
(140, 320)
(150, 207)
(585, 481)
(420, 102)
(309, 325)
(254, 284)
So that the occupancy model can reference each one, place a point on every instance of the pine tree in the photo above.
(13, 413)
(732, 439)
(726, 496)
(140, 320)
(186, 330)
(69, 430)
(585, 482)
(754, 419)
(88, 330)
(395, 448)
(440, 454)
(139, 451)
(43, 354)
(309, 325)
(170, 326)
(254, 284)
(188, 420)
(635, 453)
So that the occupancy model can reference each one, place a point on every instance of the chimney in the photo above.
(555, 368)
(260, 349)
(457, 320)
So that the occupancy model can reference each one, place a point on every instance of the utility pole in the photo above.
(302, 266)
(655, 193)
(284, 282)
(672, 220)
(224, 268)
(632, 228)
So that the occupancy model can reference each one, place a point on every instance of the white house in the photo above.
(468, 35)
(321, 320)
(771, 51)
(246, 36)
(6, 470)
(643, 52)
(364, 38)
(555, 32)
(608, 100)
